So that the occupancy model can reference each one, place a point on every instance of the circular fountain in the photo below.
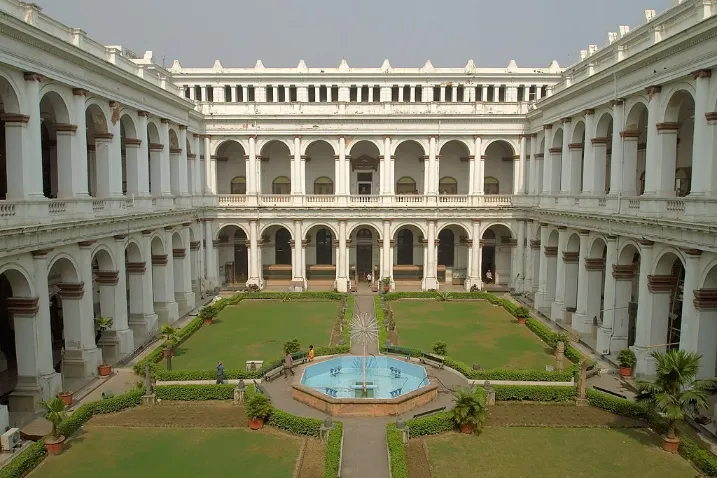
(364, 385)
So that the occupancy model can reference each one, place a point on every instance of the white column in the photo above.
(386, 187)
(519, 167)
(296, 186)
(606, 331)
(340, 167)
(196, 166)
(413, 94)
(115, 154)
(540, 300)
(142, 155)
(120, 331)
(103, 164)
(210, 178)
(79, 150)
(556, 312)
(575, 154)
(298, 266)
(209, 260)
(169, 310)
(478, 169)
(338, 176)
(646, 314)
(432, 167)
(254, 271)
(547, 186)
(616, 156)
(661, 149)
(703, 139)
(182, 163)
(535, 166)
(253, 172)
(582, 321)
(346, 167)
(566, 162)
(431, 280)
(520, 257)
(131, 151)
(141, 289)
(29, 175)
(528, 265)
(387, 270)
(165, 187)
(342, 260)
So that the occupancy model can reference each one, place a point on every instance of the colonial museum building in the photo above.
(130, 190)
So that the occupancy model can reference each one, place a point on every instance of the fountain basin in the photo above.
(335, 386)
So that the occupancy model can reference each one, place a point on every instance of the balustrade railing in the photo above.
(498, 199)
(453, 199)
(365, 199)
(320, 199)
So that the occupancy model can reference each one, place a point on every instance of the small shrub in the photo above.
(431, 425)
(258, 406)
(469, 409)
(440, 348)
(292, 347)
(522, 313)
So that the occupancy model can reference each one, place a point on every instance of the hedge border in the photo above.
(161, 373)
(396, 452)
(332, 460)
(26, 461)
(537, 327)
(534, 393)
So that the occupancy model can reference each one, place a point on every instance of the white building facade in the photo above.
(128, 190)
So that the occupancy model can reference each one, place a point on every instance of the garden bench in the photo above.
(261, 390)
(432, 359)
(273, 373)
(393, 349)
(610, 392)
(429, 412)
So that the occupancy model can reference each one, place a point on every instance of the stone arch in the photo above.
(178, 241)
(509, 146)
(19, 279)
(157, 246)
(636, 108)
(557, 137)
(12, 100)
(578, 132)
(231, 224)
(466, 147)
(96, 114)
(232, 253)
(351, 143)
(331, 142)
(419, 144)
(264, 146)
(153, 131)
(663, 262)
(573, 242)
(679, 113)
(673, 96)
(453, 251)
(499, 164)
(497, 223)
(377, 229)
(128, 126)
(453, 167)
(288, 227)
(602, 126)
(467, 229)
(320, 168)
(232, 161)
(174, 138)
(57, 102)
(627, 252)
(104, 257)
(217, 146)
(66, 266)
(709, 276)
(497, 240)
(308, 227)
(420, 228)
(55, 148)
(133, 251)
(597, 247)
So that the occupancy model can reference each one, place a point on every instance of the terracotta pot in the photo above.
(670, 444)
(521, 320)
(207, 321)
(467, 428)
(66, 397)
(386, 288)
(626, 371)
(256, 424)
(54, 447)
(104, 370)
(164, 351)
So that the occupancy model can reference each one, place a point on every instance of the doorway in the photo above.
(241, 263)
(282, 247)
(404, 254)
(446, 248)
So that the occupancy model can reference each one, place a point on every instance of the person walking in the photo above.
(288, 363)
(311, 353)
(220, 373)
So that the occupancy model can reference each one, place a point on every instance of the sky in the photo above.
(365, 32)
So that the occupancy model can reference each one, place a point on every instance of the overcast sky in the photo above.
(321, 32)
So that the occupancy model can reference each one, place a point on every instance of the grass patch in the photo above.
(256, 330)
(574, 452)
(122, 452)
(474, 331)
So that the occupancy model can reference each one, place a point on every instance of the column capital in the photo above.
(567, 119)
(194, 245)
(646, 243)
(143, 114)
(32, 76)
(104, 136)
(146, 232)
(583, 232)
(107, 277)
(618, 102)
(667, 127)
(83, 92)
(547, 127)
(558, 150)
(136, 268)
(571, 257)
(165, 120)
(575, 146)
(562, 228)
(182, 127)
(692, 253)
(629, 134)
(705, 299)
(65, 128)
(550, 251)
(159, 259)
(120, 237)
(652, 91)
(186, 224)
(660, 284)
(589, 111)
(611, 238)
(179, 253)
(71, 290)
(175, 150)
(711, 117)
(604, 140)
(534, 244)
(23, 306)
(701, 74)
(156, 146)
(14, 118)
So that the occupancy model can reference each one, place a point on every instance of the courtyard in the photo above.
(256, 330)
(475, 331)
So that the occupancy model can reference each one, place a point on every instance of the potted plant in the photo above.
(208, 314)
(66, 397)
(386, 284)
(55, 414)
(469, 412)
(102, 324)
(522, 313)
(626, 359)
(674, 391)
(169, 335)
(258, 408)
(563, 337)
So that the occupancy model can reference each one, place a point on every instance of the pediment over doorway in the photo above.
(364, 163)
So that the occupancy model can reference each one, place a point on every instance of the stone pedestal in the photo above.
(185, 301)
(238, 396)
(29, 391)
(582, 402)
(167, 312)
(116, 344)
(81, 363)
(560, 357)
(490, 397)
(150, 399)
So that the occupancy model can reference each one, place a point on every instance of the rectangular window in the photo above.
(364, 94)
(521, 90)
(532, 93)
(376, 94)
(198, 93)
(323, 94)
(479, 93)
(419, 94)
(292, 93)
(460, 94)
(187, 93)
(269, 94)
(250, 93)
(449, 93)
(334, 93)
(210, 93)
(282, 94)
(240, 94)
(312, 94)
(228, 94)
(436, 93)
(394, 94)
(544, 91)
(407, 94)
(501, 94)
(353, 94)
(491, 94)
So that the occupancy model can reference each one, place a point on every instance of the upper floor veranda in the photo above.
(634, 137)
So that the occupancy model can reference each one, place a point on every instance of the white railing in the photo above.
(498, 199)
(99, 205)
(364, 199)
(676, 205)
(633, 203)
(409, 199)
(7, 209)
(232, 199)
(320, 198)
(276, 199)
(57, 207)
(453, 199)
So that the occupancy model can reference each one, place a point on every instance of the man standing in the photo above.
(220, 373)
(288, 363)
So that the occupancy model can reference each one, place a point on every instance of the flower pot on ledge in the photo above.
(104, 370)
(66, 397)
(670, 444)
(521, 320)
(626, 371)
(256, 424)
(208, 321)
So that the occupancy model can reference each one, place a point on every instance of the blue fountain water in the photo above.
(386, 377)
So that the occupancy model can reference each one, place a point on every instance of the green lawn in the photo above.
(474, 331)
(174, 452)
(573, 452)
(256, 330)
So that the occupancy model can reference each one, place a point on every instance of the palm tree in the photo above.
(169, 334)
(674, 390)
(54, 413)
(469, 410)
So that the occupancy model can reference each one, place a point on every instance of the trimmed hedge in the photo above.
(616, 405)
(333, 451)
(382, 335)
(396, 451)
(286, 421)
(35, 453)
(534, 393)
(431, 425)
(701, 458)
(541, 330)
(155, 357)
(195, 392)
